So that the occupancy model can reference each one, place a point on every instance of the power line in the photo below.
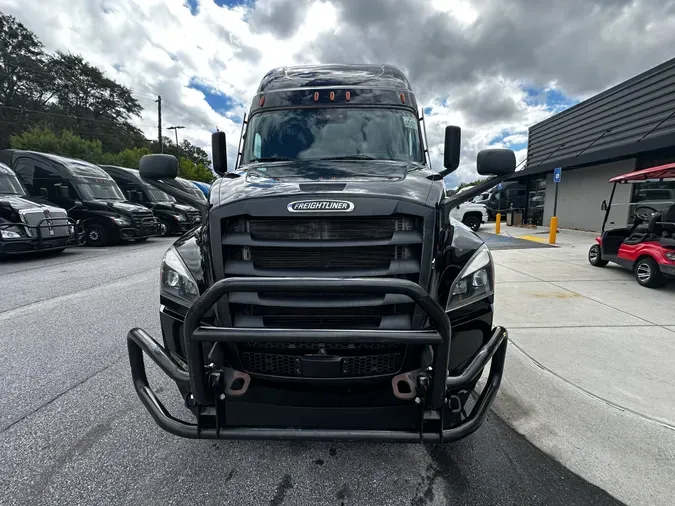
(59, 115)
(85, 132)
(200, 121)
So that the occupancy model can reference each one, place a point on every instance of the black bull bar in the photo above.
(440, 382)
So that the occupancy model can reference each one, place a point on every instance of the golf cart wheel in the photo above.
(95, 236)
(648, 273)
(472, 222)
(595, 258)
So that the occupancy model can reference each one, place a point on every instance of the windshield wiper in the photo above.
(273, 159)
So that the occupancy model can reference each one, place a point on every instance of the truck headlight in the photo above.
(475, 282)
(8, 234)
(122, 222)
(179, 217)
(176, 282)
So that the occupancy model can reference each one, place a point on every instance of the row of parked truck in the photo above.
(49, 203)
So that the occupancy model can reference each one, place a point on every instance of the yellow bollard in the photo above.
(553, 230)
(498, 224)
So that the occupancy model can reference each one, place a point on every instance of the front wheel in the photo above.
(165, 228)
(472, 222)
(95, 236)
(648, 274)
(595, 256)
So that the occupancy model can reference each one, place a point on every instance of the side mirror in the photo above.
(603, 206)
(451, 151)
(78, 205)
(496, 162)
(43, 192)
(127, 194)
(138, 196)
(63, 192)
(5, 204)
(219, 151)
(156, 167)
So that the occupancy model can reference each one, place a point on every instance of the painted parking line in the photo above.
(497, 242)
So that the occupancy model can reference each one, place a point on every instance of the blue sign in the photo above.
(499, 186)
(557, 174)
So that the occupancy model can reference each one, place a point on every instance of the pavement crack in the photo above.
(58, 396)
(597, 397)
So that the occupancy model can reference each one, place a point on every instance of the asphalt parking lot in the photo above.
(72, 430)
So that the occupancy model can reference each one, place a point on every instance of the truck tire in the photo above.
(166, 228)
(472, 221)
(96, 236)
(648, 273)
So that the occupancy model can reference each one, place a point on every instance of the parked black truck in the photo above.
(87, 192)
(29, 226)
(175, 218)
(329, 294)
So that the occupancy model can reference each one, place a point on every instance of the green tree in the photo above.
(194, 171)
(25, 84)
(65, 144)
(94, 105)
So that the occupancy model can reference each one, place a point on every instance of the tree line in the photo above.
(59, 103)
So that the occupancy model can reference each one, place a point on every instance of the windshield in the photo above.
(101, 189)
(9, 185)
(159, 196)
(329, 133)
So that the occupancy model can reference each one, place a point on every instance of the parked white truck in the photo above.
(472, 215)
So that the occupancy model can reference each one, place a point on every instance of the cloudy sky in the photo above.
(493, 67)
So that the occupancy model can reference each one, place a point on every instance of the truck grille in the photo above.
(139, 216)
(385, 246)
(58, 221)
(194, 216)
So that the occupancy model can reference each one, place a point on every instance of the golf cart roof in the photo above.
(660, 173)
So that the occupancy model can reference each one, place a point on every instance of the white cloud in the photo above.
(468, 60)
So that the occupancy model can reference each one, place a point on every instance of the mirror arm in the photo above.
(457, 199)
(181, 195)
(440, 174)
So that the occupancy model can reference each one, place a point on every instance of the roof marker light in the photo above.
(332, 96)
(402, 98)
(316, 96)
(348, 96)
(262, 101)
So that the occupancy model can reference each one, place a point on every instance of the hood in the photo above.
(404, 181)
(27, 204)
(118, 206)
(183, 208)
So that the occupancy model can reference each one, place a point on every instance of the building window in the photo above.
(658, 195)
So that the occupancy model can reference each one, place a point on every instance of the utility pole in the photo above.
(159, 123)
(175, 129)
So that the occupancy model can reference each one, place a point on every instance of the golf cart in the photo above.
(648, 246)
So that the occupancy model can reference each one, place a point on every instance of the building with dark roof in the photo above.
(630, 126)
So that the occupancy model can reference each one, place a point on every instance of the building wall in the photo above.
(580, 195)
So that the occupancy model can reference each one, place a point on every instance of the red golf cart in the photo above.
(648, 246)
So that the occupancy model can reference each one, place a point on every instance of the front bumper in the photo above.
(214, 391)
(39, 242)
(149, 227)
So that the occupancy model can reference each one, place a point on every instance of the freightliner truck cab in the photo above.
(28, 226)
(87, 192)
(175, 218)
(328, 294)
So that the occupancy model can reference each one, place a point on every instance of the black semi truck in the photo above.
(175, 218)
(87, 192)
(329, 294)
(28, 226)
